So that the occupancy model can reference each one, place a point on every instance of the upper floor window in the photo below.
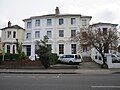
(73, 33)
(8, 34)
(61, 21)
(28, 36)
(29, 25)
(37, 22)
(37, 34)
(49, 22)
(14, 34)
(61, 33)
(73, 21)
(49, 34)
(49, 46)
(105, 31)
(84, 22)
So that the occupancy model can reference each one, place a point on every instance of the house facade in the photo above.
(104, 28)
(9, 36)
(58, 27)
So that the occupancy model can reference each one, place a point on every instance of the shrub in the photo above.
(54, 59)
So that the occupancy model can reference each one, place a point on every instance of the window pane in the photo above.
(73, 33)
(49, 22)
(37, 34)
(61, 21)
(29, 25)
(13, 49)
(84, 22)
(73, 21)
(49, 34)
(61, 33)
(14, 34)
(73, 48)
(8, 48)
(8, 34)
(61, 48)
(28, 36)
(37, 23)
(28, 50)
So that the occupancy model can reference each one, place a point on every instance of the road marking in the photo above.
(105, 86)
(58, 75)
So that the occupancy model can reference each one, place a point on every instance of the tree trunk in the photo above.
(104, 65)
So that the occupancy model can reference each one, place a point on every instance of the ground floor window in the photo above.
(73, 48)
(61, 48)
(8, 48)
(28, 50)
(13, 49)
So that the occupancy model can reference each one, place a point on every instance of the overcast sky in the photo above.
(100, 10)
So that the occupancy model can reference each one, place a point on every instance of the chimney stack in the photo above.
(57, 12)
(9, 24)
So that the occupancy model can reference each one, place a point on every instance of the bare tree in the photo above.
(100, 40)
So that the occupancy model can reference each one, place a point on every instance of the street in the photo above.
(59, 82)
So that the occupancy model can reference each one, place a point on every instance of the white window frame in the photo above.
(49, 22)
(29, 25)
(61, 21)
(28, 37)
(73, 21)
(61, 33)
(49, 34)
(37, 34)
(37, 22)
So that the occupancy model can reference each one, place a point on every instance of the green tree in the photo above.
(44, 52)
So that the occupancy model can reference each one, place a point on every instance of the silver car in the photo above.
(71, 58)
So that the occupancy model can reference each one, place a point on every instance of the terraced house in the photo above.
(58, 27)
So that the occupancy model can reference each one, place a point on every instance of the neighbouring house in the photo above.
(0, 46)
(58, 27)
(104, 27)
(9, 36)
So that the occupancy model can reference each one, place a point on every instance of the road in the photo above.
(59, 82)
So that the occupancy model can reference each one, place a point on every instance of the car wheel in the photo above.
(70, 62)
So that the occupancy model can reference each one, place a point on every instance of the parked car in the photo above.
(115, 58)
(71, 58)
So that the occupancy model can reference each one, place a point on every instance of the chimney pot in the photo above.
(9, 24)
(57, 11)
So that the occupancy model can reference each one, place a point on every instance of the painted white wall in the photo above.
(11, 40)
(55, 40)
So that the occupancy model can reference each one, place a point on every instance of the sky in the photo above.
(107, 11)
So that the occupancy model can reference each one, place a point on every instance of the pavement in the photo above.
(84, 68)
(60, 71)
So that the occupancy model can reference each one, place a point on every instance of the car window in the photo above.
(77, 57)
(69, 56)
(113, 56)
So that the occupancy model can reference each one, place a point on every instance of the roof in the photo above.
(100, 23)
(14, 26)
(59, 15)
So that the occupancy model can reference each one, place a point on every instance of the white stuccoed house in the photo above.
(9, 35)
(58, 27)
